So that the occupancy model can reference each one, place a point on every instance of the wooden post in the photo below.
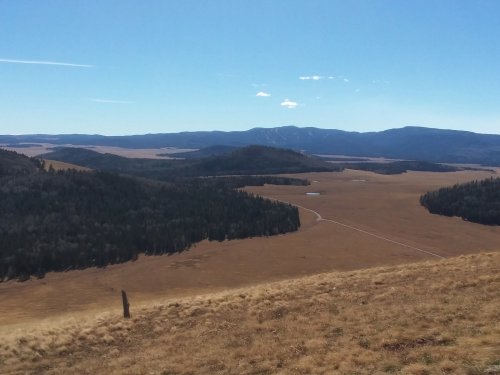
(126, 305)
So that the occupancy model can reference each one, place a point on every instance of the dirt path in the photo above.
(321, 218)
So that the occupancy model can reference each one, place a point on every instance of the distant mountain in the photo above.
(242, 161)
(414, 143)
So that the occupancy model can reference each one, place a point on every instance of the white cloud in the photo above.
(287, 103)
(263, 94)
(110, 101)
(346, 80)
(331, 77)
(36, 62)
(313, 78)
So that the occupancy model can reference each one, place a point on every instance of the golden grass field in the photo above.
(425, 318)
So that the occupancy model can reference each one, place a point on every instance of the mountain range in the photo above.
(411, 142)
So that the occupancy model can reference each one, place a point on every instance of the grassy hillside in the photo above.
(423, 318)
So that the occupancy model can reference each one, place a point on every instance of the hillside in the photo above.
(437, 317)
(411, 142)
(11, 163)
(243, 161)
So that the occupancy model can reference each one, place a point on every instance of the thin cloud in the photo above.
(346, 80)
(381, 81)
(263, 94)
(110, 101)
(287, 103)
(37, 62)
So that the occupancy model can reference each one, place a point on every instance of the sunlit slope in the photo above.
(439, 317)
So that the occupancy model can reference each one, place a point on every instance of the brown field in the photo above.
(60, 165)
(146, 153)
(426, 318)
(386, 206)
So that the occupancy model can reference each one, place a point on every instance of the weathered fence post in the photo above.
(126, 305)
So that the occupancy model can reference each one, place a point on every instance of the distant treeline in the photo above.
(477, 201)
(55, 221)
(398, 167)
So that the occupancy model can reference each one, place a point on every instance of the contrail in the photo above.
(110, 101)
(36, 62)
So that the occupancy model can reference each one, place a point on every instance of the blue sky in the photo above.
(134, 67)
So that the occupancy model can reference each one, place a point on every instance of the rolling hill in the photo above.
(247, 160)
(411, 142)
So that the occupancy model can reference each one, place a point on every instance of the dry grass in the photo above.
(435, 317)
(60, 165)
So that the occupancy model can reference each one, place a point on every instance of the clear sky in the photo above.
(134, 67)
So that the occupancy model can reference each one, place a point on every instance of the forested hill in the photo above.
(262, 159)
(477, 201)
(411, 142)
(12, 163)
(243, 161)
(55, 221)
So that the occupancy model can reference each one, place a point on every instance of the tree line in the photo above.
(476, 201)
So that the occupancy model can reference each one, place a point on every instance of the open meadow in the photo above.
(383, 224)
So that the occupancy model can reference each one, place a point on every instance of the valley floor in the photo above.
(390, 225)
